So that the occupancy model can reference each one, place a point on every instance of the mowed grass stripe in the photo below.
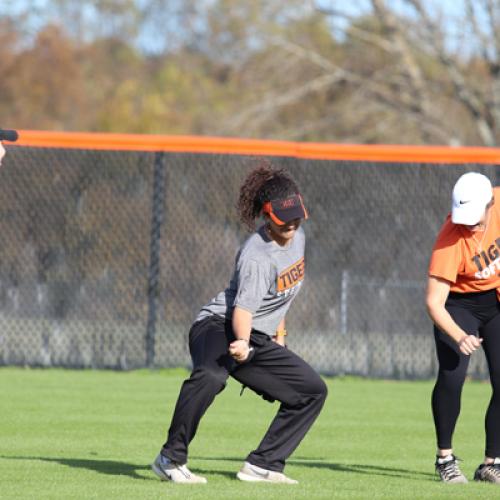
(92, 434)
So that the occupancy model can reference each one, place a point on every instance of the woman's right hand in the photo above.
(239, 350)
(469, 344)
(437, 294)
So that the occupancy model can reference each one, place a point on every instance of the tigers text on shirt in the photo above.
(266, 279)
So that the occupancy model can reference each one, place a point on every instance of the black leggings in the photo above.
(475, 313)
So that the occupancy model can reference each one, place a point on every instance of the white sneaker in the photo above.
(167, 470)
(448, 470)
(253, 473)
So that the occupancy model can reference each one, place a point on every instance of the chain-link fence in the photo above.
(108, 255)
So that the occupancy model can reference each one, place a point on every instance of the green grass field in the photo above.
(92, 434)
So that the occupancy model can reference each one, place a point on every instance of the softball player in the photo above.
(462, 300)
(241, 333)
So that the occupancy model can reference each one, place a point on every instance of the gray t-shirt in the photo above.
(266, 279)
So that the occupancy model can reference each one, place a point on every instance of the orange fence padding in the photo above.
(223, 145)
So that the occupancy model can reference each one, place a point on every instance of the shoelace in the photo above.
(494, 470)
(182, 468)
(187, 473)
(450, 469)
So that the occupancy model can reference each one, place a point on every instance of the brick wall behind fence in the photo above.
(107, 256)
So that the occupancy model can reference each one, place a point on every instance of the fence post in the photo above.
(157, 209)
(344, 290)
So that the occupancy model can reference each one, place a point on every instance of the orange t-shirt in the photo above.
(470, 261)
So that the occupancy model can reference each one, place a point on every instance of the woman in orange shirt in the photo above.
(463, 302)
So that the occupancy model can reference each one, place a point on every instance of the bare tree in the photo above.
(400, 68)
(376, 71)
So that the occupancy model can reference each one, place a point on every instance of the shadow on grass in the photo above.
(115, 468)
(366, 469)
(110, 467)
(354, 468)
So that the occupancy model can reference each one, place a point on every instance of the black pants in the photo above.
(274, 372)
(475, 313)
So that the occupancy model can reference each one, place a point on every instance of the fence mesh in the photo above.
(108, 255)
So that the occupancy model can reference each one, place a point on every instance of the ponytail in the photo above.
(262, 184)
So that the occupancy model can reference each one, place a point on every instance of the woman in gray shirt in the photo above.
(241, 333)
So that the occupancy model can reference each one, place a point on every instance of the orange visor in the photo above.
(285, 210)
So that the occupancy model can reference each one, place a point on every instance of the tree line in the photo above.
(407, 72)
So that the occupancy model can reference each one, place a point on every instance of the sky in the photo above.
(148, 40)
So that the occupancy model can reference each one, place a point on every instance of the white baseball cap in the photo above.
(471, 193)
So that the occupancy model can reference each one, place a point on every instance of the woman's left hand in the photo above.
(279, 339)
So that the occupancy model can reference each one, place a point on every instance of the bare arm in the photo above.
(279, 337)
(437, 293)
(242, 326)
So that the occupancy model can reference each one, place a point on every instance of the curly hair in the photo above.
(263, 183)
